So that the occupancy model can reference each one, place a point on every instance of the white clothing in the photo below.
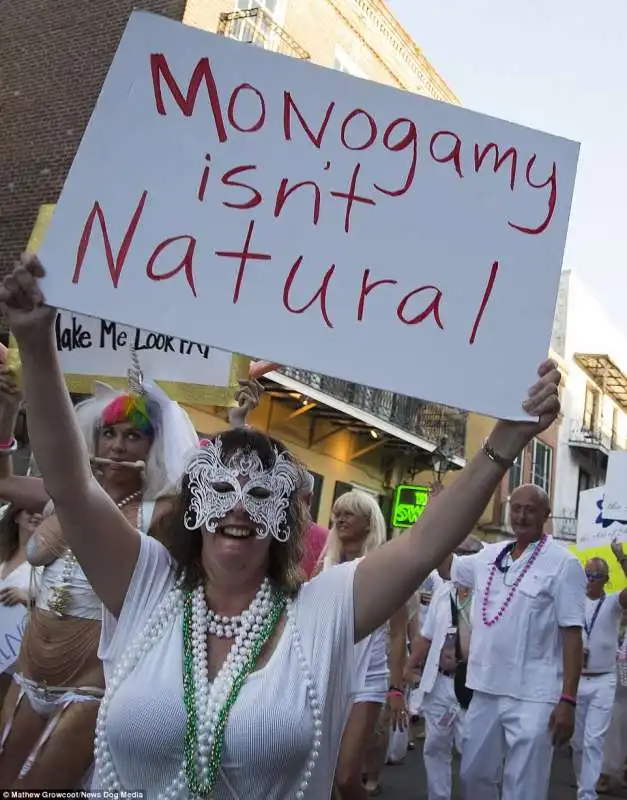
(616, 737)
(595, 700)
(82, 600)
(521, 655)
(270, 728)
(444, 727)
(425, 593)
(503, 728)
(19, 578)
(376, 681)
(597, 689)
(603, 639)
(437, 623)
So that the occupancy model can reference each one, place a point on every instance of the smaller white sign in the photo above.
(90, 346)
(594, 529)
(13, 621)
(615, 506)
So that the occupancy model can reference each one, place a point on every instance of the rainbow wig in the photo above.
(131, 408)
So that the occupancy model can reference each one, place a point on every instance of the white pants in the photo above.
(616, 738)
(444, 719)
(595, 700)
(509, 740)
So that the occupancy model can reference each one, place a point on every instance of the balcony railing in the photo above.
(427, 420)
(565, 528)
(594, 436)
(256, 26)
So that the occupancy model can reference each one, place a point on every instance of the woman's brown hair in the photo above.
(9, 533)
(185, 546)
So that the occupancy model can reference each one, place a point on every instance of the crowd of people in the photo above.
(192, 632)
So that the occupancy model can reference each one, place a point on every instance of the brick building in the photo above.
(54, 57)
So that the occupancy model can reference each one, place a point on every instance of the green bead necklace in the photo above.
(203, 786)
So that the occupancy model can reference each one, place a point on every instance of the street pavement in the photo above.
(407, 781)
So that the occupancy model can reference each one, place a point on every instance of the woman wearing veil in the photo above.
(138, 440)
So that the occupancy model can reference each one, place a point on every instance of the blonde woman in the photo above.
(358, 528)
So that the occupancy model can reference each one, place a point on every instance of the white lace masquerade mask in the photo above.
(215, 489)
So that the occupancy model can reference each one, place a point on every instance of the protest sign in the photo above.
(93, 349)
(615, 506)
(593, 529)
(13, 621)
(261, 204)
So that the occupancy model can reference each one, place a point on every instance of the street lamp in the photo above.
(440, 461)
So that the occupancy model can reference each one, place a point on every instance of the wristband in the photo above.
(395, 693)
(571, 701)
(394, 689)
(9, 446)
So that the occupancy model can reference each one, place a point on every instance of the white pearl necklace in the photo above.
(209, 697)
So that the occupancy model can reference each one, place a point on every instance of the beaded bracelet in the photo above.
(571, 701)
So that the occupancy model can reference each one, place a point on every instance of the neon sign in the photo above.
(409, 504)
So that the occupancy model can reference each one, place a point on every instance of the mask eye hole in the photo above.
(221, 487)
(260, 493)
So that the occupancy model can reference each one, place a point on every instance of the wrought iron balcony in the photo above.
(594, 437)
(430, 421)
(565, 528)
(256, 26)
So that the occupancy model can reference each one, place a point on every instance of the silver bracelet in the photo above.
(494, 456)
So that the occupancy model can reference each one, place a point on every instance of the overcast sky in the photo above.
(559, 66)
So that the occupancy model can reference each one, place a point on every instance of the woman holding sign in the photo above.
(225, 675)
(138, 439)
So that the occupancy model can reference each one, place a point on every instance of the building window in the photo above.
(344, 64)
(314, 508)
(591, 409)
(272, 6)
(541, 465)
(516, 472)
(258, 29)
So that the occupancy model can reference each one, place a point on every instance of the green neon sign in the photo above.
(409, 504)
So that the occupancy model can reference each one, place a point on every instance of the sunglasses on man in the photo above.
(595, 576)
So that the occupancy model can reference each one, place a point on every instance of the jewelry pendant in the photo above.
(58, 599)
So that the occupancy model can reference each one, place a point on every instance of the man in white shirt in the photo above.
(444, 641)
(525, 655)
(597, 687)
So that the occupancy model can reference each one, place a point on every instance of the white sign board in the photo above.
(593, 529)
(89, 346)
(13, 621)
(264, 205)
(616, 487)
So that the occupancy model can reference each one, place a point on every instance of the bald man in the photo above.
(597, 687)
(525, 655)
(443, 646)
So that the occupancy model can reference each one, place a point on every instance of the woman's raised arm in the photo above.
(105, 544)
(388, 576)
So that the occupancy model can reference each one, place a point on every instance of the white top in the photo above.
(521, 655)
(432, 582)
(18, 579)
(375, 681)
(437, 623)
(270, 727)
(602, 642)
(82, 600)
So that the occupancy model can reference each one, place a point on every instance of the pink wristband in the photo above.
(395, 693)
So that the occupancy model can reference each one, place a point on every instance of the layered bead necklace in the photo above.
(207, 705)
(514, 587)
(60, 594)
